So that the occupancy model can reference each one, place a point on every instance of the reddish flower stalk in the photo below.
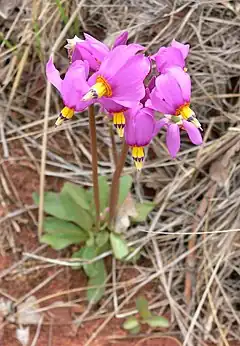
(93, 136)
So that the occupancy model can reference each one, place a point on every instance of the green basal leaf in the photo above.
(102, 238)
(90, 241)
(119, 246)
(59, 241)
(52, 205)
(96, 293)
(124, 188)
(142, 307)
(78, 194)
(63, 207)
(54, 225)
(143, 209)
(130, 323)
(75, 213)
(135, 330)
(91, 269)
(103, 192)
(78, 254)
(157, 321)
(88, 253)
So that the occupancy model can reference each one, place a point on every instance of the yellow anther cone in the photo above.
(138, 156)
(66, 113)
(119, 123)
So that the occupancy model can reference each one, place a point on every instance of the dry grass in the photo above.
(191, 244)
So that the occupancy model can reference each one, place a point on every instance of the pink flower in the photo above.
(174, 55)
(72, 87)
(148, 89)
(139, 130)
(95, 51)
(173, 126)
(172, 94)
(119, 82)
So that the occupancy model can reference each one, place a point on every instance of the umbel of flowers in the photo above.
(122, 80)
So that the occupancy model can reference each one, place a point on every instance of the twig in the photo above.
(43, 161)
(191, 259)
(93, 135)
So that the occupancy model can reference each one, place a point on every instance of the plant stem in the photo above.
(93, 136)
(114, 148)
(113, 199)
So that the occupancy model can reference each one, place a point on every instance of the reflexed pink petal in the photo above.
(97, 48)
(158, 102)
(129, 132)
(127, 84)
(81, 53)
(193, 133)
(170, 91)
(184, 81)
(173, 139)
(113, 62)
(116, 59)
(160, 124)
(184, 48)
(139, 126)
(133, 49)
(121, 39)
(74, 85)
(144, 126)
(168, 57)
(53, 75)
(110, 105)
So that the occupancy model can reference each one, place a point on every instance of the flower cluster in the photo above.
(122, 81)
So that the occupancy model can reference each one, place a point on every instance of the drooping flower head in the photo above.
(173, 124)
(94, 51)
(119, 82)
(72, 87)
(139, 130)
(173, 56)
(172, 94)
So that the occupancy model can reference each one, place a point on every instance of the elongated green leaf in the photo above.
(142, 307)
(78, 254)
(78, 194)
(143, 209)
(102, 238)
(91, 269)
(75, 213)
(130, 323)
(63, 206)
(54, 225)
(119, 246)
(103, 192)
(157, 321)
(94, 294)
(88, 253)
(64, 239)
(124, 188)
(52, 204)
